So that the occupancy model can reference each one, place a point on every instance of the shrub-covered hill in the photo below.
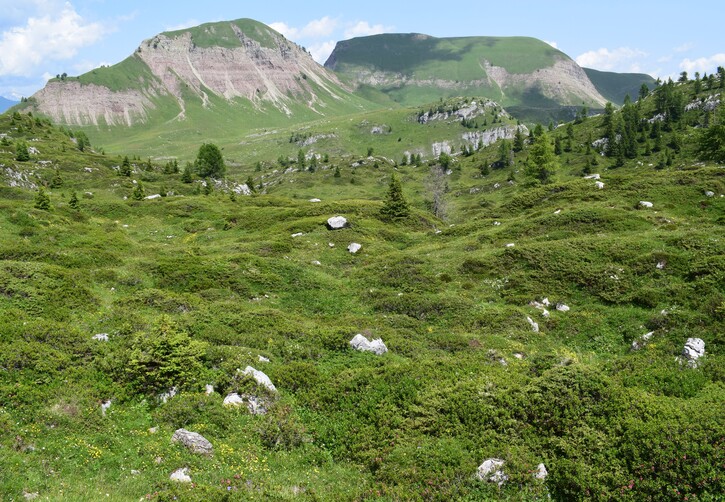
(194, 285)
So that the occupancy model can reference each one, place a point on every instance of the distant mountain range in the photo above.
(218, 80)
(6, 103)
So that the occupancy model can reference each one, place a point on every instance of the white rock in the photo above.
(208, 389)
(545, 313)
(518, 355)
(708, 193)
(376, 346)
(101, 337)
(315, 200)
(558, 211)
(661, 265)
(354, 247)
(599, 185)
(255, 405)
(331, 244)
(105, 406)
(534, 325)
(298, 234)
(30, 495)
(490, 470)
(195, 442)
(262, 359)
(693, 350)
(645, 203)
(167, 395)
(562, 308)
(316, 262)
(135, 472)
(592, 177)
(496, 223)
(541, 472)
(510, 245)
(152, 197)
(181, 475)
(233, 399)
(336, 222)
(546, 301)
(260, 378)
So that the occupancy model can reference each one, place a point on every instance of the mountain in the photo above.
(518, 72)
(616, 86)
(6, 103)
(213, 79)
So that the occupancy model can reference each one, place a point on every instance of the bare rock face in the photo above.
(194, 441)
(172, 65)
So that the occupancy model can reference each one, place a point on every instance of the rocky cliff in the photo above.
(232, 60)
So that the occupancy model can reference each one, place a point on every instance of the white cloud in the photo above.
(363, 29)
(622, 59)
(285, 29)
(685, 47)
(189, 23)
(702, 65)
(51, 37)
(553, 44)
(319, 28)
(321, 51)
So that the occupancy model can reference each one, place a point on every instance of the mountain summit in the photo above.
(242, 62)
(414, 69)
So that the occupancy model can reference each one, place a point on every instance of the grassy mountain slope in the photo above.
(207, 284)
(414, 69)
(616, 86)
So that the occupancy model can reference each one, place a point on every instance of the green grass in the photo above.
(448, 298)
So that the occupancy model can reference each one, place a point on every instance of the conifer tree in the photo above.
(73, 202)
(543, 163)
(57, 180)
(186, 175)
(395, 206)
(125, 169)
(22, 154)
(42, 200)
(138, 192)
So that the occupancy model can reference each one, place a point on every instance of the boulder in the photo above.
(599, 185)
(642, 340)
(490, 470)
(709, 193)
(181, 475)
(105, 407)
(541, 472)
(693, 350)
(377, 347)
(194, 441)
(101, 337)
(562, 308)
(208, 389)
(315, 200)
(534, 325)
(354, 247)
(644, 203)
(336, 222)
(255, 404)
(510, 245)
(260, 378)
(152, 197)
(298, 234)
(592, 177)
(262, 359)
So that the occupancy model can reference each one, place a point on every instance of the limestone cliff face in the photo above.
(173, 66)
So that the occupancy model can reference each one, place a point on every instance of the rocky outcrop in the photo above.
(376, 346)
(491, 470)
(176, 66)
(195, 442)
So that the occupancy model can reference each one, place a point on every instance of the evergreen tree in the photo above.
(301, 161)
(42, 200)
(505, 153)
(337, 172)
(208, 187)
(210, 162)
(395, 205)
(125, 169)
(21, 151)
(186, 175)
(542, 163)
(138, 192)
(711, 141)
(643, 91)
(250, 184)
(557, 146)
(518, 140)
(404, 161)
(73, 202)
(57, 180)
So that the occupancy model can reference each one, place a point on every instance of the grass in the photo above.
(448, 297)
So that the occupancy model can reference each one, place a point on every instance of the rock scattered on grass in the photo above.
(376, 346)
(195, 442)
(693, 350)
(105, 406)
(534, 325)
(354, 247)
(490, 470)
(101, 337)
(541, 472)
(336, 222)
(255, 404)
(562, 308)
(642, 340)
(260, 378)
(208, 389)
(181, 475)
(262, 359)
(646, 204)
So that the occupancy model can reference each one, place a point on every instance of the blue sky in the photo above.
(42, 38)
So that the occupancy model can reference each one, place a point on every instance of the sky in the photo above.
(42, 38)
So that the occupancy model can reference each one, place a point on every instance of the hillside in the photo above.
(616, 86)
(533, 315)
(521, 73)
(6, 103)
(216, 80)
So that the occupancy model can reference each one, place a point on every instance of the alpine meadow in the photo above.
(431, 269)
